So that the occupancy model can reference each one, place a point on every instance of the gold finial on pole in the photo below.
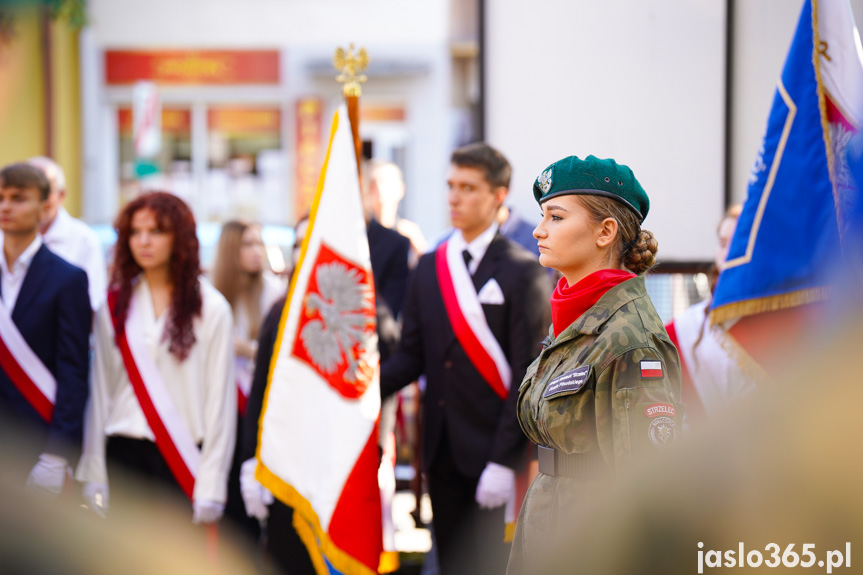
(350, 67)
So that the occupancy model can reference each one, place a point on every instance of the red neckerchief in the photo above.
(568, 303)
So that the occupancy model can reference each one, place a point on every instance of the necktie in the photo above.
(467, 258)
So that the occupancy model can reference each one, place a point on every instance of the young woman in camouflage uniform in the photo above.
(606, 386)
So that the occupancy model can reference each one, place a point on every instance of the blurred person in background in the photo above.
(70, 238)
(240, 273)
(45, 320)
(711, 378)
(605, 390)
(515, 229)
(385, 189)
(163, 398)
(472, 445)
(282, 544)
(394, 245)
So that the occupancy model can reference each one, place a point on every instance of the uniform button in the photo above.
(447, 364)
(440, 403)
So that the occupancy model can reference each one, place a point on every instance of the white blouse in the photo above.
(201, 387)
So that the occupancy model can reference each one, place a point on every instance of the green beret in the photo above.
(593, 177)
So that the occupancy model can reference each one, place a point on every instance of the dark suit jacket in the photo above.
(479, 425)
(388, 251)
(53, 314)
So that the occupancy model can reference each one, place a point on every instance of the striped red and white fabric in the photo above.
(25, 369)
(468, 320)
(173, 438)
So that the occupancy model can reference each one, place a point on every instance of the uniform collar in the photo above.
(593, 319)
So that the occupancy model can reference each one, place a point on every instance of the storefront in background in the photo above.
(222, 124)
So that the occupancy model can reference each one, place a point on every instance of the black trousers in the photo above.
(285, 548)
(469, 539)
(235, 509)
(138, 472)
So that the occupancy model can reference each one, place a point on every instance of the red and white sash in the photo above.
(173, 438)
(243, 377)
(468, 320)
(25, 369)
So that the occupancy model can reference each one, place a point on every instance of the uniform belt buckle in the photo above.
(546, 460)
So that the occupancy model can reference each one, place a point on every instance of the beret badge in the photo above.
(545, 180)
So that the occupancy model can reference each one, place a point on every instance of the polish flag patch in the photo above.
(651, 369)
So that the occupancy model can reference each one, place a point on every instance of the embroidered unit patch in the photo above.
(662, 432)
(569, 382)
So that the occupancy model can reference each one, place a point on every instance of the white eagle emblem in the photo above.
(544, 180)
(342, 302)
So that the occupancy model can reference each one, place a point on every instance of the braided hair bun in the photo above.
(641, 255)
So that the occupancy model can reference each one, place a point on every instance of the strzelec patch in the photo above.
(569, 382)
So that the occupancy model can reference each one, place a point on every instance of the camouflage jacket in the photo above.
(607, 387)
(610, 381)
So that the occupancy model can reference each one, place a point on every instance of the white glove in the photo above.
(206, 511)
(96, 496)
(255, 496)
(49, 473)
(496, 486)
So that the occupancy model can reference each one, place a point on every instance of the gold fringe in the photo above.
(769, 303)
(825, 122)
(389, 562)
(309, 529)
(307, 536)
(509, 532)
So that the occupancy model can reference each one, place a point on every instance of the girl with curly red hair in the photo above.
(163, 338)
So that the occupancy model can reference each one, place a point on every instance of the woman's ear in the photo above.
(607, 233)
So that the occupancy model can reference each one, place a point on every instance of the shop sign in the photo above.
(309, 142)
(192, 66)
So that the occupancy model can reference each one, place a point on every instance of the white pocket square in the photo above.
(491, 293)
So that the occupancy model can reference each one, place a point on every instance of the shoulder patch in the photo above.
(651, 369)
(569, 382)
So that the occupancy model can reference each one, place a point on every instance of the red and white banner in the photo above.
(318, 442)
(468, 320)
(25, 369)
(173, 438)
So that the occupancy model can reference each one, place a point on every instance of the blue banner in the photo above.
(787, 235)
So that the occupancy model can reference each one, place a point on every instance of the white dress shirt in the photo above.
(78, 244)
(12, 279)
(202, 388)
(477, 247)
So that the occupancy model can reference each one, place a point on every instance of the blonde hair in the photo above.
(636, 248)
(238, 287)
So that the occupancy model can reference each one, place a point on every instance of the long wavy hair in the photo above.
(173, 216)
(239, 287)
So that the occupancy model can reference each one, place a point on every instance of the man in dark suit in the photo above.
(472, 439)
(48, 302)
